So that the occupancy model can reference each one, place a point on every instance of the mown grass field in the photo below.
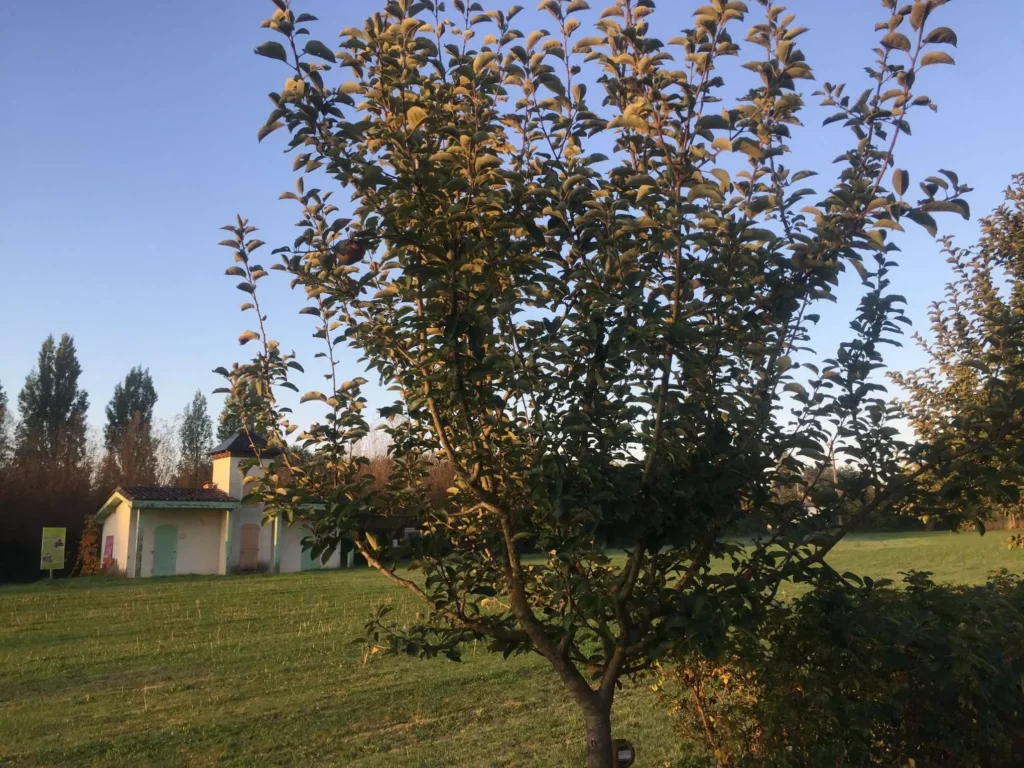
(268, 670)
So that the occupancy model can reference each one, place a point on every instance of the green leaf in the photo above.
(764, 235)
(587, 43)
(943, 35)
(888, 224)
(918, 14)
(487, 161)
(924, 220)
(900, 181)
(268, 129)
(709, 122)
(272, 50)
(482, 60)
(936, 57)
(948, 206)
(321, 51)
(748, 147)
(897, 40)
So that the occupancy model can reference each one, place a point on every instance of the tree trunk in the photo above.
(597, 717)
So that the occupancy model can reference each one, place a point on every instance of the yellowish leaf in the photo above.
(415, 116)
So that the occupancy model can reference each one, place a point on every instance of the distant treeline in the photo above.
(54, 471)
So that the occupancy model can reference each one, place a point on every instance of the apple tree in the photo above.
(586, 269)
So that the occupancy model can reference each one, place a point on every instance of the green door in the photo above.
(165, 550)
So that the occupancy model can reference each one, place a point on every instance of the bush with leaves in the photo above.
(87, 562)
(976, 360)
(602, 347)
(926, 675)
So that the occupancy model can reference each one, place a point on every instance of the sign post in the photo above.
(53, 549)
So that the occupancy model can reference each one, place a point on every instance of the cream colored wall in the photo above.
(290, 541)
(266, 559)
(200, 539)
(227, 475)
(117, 525)
(222, 549)
(133, 523)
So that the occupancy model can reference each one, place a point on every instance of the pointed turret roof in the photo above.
(242, 445)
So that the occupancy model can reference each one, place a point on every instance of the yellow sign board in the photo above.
(54, 540)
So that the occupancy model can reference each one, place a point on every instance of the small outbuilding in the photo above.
(161, 531)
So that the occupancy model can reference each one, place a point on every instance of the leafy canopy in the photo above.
(607, 348)
(136, 395)
(230, 422)
(53, 408)
(195, 440)
(974, 382)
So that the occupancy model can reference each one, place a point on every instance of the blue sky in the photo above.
(129, 136)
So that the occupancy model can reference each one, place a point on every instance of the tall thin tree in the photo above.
(135, 395)
(5, 437)
(196, 438)
(130, 457)
(238, 402)
(53, 408)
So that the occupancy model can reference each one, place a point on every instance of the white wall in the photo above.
(117, 525)
(200, 539)
(290, 541)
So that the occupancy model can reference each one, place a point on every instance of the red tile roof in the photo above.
(158, 493)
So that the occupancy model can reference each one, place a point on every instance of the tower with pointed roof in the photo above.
(227, 458)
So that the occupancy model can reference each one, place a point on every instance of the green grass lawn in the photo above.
(268, 669)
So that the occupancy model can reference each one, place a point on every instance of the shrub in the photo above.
(87, 563)
(1016, 542)
(929, 676)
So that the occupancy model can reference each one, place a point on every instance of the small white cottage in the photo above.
(158, 531)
